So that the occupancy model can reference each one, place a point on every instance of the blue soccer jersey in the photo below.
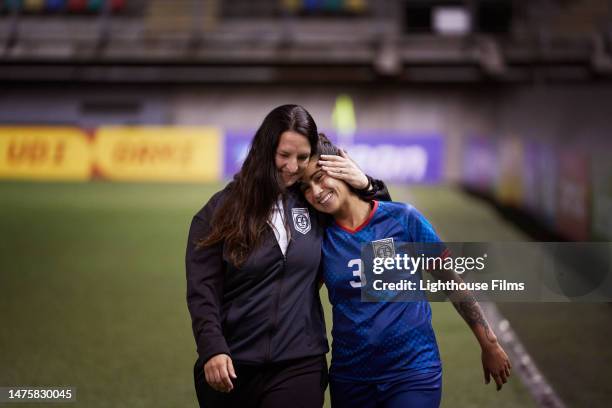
(376, 341)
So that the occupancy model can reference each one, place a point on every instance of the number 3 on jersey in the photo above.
(355, 266)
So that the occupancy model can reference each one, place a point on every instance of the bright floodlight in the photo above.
(451, 20)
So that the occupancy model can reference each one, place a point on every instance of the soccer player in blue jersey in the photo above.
(384, 354)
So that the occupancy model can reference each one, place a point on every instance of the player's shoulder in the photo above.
(404, 214)
(397, 210)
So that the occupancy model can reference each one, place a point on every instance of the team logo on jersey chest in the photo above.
(301, 220)
(383, 248)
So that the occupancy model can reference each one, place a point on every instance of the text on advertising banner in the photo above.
(158, 153)
(394, 157)
(44, 153)
(399, 157)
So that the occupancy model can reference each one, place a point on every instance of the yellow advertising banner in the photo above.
(511, 169)
(44, 153)
(158, 153)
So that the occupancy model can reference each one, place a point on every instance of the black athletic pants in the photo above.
(297, 383)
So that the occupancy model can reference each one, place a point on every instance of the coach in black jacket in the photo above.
(263, 316)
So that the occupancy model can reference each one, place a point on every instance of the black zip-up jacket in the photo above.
(268, 310)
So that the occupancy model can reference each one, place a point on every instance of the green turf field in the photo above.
(92, 292)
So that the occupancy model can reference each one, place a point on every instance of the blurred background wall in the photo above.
(120, 118)
(508, 98)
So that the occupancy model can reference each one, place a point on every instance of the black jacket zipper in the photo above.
(274, 324)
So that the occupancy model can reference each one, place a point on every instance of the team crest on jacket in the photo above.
(301, 220)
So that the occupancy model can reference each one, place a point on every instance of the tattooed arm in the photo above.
(495, 362)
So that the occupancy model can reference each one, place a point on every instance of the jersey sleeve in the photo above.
(421, 231)
(419, 228)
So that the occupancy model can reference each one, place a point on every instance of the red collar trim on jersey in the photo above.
(363, 224)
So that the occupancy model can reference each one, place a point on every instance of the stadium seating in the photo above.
(64, 6)
(55, 5)
(34, 5)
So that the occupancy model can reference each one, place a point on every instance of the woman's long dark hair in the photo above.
(241, 220)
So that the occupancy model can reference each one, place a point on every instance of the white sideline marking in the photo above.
(541, 391)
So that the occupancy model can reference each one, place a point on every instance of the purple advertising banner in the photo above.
(540, 180)
(236, 146)
(398, 157)
(480, 164)
(394, 157)
(532, 187)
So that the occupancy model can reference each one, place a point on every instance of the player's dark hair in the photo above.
(325, 146)
(241, 220)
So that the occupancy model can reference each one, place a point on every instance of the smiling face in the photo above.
(323, 192)
(292, 154)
